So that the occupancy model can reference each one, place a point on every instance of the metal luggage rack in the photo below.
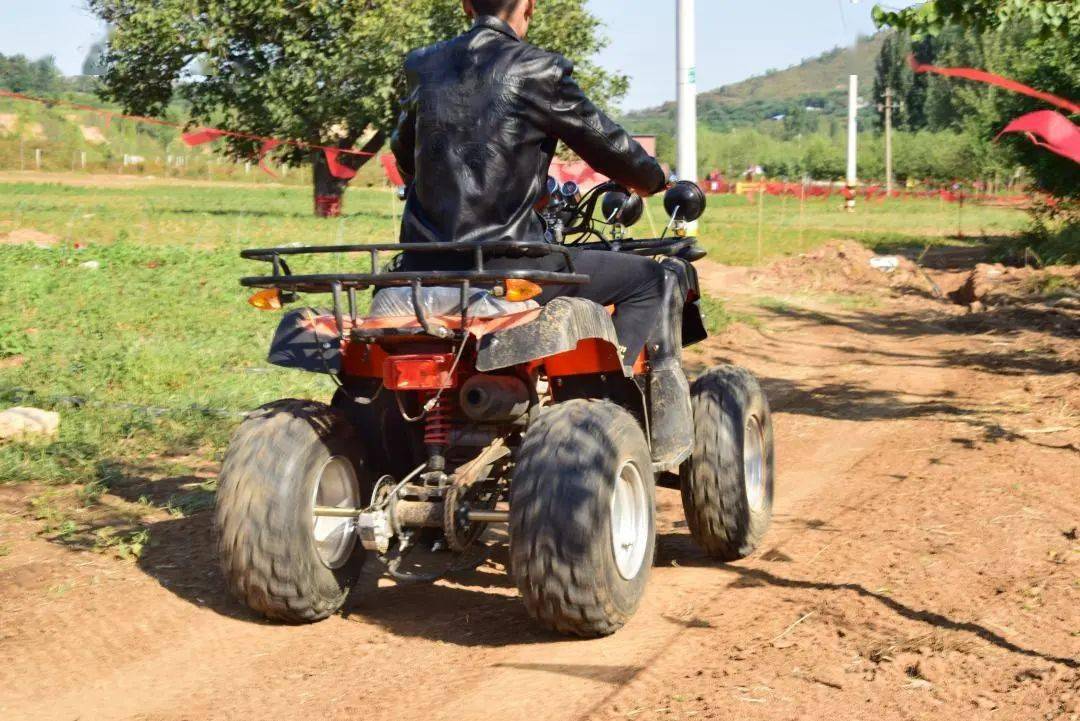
(283, 279)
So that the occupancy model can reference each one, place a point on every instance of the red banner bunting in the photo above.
(267, 146)
(1049, 130)
(389, 164)
(1045, 128)
(338, 169)
(984, 77)
(200, 136)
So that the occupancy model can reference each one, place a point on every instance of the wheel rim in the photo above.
(754, 463)
(336, 486)
(629, 521)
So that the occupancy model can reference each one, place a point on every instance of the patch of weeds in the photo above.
(66, 530)
(124, 544)
(1050, 286)
(61, 589)
(857, 301)
(775, 304)
(5, 550)
(12, 340)
(201, 498)
(43, 508)
(717, 316)
(92, 492)
(109, 473)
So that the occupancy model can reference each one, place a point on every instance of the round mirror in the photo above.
(622, 208)
(684, 201)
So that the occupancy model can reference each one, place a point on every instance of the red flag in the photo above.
(390, 167)
(202, 135)
(1050, 130)
(984, 77)
(267, 146)
(337, 169)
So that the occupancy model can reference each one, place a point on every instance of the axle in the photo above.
(409, 512)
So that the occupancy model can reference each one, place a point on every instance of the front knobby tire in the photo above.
(727, 483)
(583, 518)
(271, 557)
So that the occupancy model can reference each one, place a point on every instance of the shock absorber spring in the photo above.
(437, 430)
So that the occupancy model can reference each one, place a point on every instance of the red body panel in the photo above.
(376, 360)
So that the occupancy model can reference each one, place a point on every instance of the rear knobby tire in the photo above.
(264, 505)
(727, 516)
(562, 548)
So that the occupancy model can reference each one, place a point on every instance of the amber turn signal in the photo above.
(269, 299)
(518, 290)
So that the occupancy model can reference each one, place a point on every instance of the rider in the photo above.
(478, 130)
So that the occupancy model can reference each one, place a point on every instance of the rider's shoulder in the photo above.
(543, 59)
(419, 56)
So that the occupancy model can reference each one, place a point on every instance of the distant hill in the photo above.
(819, 83)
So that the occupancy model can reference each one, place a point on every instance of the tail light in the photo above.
(518, 290)
(418, 372)
(269, 299)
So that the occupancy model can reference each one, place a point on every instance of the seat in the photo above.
(444, 301)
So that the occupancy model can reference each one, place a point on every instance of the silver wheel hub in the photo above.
(629, 521)
(336, 486)
(754, 463)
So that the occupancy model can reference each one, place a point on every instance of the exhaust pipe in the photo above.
(494, 399)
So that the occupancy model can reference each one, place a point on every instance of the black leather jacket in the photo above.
(478, 130)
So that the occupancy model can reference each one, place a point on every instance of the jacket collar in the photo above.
(493, 23)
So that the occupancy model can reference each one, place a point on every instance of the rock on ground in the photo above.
(21, 421)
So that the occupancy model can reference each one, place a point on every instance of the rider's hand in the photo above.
(647, 193)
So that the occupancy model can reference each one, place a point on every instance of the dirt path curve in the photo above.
(924, 560)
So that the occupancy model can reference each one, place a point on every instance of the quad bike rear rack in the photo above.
(337, 284)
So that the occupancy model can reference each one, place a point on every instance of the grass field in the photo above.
(152, 357)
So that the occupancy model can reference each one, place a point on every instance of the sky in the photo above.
(736, 39)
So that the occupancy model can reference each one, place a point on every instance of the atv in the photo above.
(466, 413)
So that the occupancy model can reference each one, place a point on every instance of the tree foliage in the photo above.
(1047, 17)
(22, 75)
(318, 71)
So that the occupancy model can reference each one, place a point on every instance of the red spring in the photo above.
(437, 426)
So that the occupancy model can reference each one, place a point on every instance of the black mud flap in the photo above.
(561, 325)
(693, 321)
(300, 342)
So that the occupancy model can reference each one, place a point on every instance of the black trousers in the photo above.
(633, 284)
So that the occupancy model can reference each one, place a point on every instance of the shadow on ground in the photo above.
(680, 546)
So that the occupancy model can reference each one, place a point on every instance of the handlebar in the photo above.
(571, 218)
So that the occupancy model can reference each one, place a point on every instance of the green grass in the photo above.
(162, 324)
(151, 358)
(730, 228)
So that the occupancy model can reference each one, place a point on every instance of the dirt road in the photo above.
(924, 561)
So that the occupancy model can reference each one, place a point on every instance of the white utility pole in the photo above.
(687, 91)
(888, 142)
(686, 125)
(852, 139)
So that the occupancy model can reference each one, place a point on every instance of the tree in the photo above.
(324, 72)
(799, 121)
(892, 70)
(22, 75)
